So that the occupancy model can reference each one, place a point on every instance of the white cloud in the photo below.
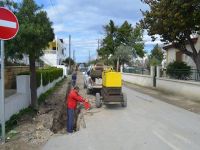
(148, 40)
(83, 19)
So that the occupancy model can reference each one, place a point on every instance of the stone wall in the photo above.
(11, 73)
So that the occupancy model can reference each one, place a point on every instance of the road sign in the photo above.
(8, 29)
(2, 102)
(8, 24)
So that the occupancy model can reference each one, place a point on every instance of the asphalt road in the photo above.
(146, 124)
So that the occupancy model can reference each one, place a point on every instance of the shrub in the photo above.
(45, 77)
(179, 70)
(51, 74)
(48, 75)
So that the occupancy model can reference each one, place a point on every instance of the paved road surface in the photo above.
(146, 124)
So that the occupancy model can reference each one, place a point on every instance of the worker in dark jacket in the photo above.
(74, 77)
(71, 102)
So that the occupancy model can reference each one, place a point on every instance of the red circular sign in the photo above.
(9, 25)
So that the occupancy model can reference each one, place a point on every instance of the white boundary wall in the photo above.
(187, 89)
(22, 99)
(143, 80)
(43, 89)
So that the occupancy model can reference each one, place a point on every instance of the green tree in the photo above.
(123, 55)
(11, 5)
(156, 55)
(129, 36)
(175, 21)
(108, 44)
(35, 32)
(124, 35)
(66, 61)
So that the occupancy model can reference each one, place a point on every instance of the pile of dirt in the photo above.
(32, 133)
(50, 119)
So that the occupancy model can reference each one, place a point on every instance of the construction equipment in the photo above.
(111, 92)
(93, 78)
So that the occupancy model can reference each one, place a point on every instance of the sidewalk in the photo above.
(180, 101)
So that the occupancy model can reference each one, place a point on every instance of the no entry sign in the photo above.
(8, 24)
(8, 29)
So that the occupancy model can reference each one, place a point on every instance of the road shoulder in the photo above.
(170, 98)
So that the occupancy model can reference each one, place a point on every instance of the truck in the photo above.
(93, 78)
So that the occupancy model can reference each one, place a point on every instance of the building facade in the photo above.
(55, 53)
(173, 54)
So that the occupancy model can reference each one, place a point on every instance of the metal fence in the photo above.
(137, 70)
(182, 74)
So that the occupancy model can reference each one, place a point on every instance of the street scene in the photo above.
(99, 75)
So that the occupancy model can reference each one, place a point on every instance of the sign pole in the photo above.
(9, 27)
(2, 93)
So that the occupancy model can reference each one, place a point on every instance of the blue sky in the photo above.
(84, 20)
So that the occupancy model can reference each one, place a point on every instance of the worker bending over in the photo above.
(71, 102)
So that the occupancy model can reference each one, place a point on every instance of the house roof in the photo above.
(194, 40)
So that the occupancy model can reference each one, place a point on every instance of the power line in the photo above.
(52, 4)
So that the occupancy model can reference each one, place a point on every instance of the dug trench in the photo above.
(34, 131)
(59, 117)
(59, 121)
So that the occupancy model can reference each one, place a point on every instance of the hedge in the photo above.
(179, 70)
(48, 75)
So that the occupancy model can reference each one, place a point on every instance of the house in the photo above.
(173, 54)
(55, 53)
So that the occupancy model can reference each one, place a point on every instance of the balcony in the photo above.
(49, 52)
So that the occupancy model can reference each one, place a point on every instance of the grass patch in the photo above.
(13, 121)
(30, 111)
(43, 96)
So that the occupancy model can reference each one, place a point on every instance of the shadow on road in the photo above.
(114, 107)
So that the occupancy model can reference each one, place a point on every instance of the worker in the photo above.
(74, 77)
(71, 102)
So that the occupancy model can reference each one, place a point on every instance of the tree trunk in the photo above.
(123, 66)
(33, 82)
(118, 65)
(107, 60)
(197, 61)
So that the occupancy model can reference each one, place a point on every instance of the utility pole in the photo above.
(57, 63)
(74, 55)
(69, 52)
(98, 44)
(98, 48)
(89, 56)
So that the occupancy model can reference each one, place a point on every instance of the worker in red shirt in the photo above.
(71, 102)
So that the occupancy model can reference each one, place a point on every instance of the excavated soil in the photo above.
(32, 133)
